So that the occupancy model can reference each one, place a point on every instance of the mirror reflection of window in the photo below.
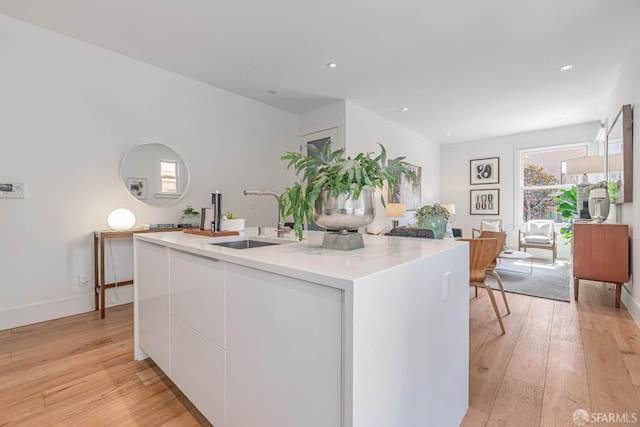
(168, 176)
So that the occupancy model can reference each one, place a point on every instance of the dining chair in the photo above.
(481, 254)
(501, 239)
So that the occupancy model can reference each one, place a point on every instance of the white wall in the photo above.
(69, 113)
(455, 181)
(627, 91)
(364, 130)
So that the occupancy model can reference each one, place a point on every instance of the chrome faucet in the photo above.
(280, 228)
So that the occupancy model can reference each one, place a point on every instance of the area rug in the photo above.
(547, 280)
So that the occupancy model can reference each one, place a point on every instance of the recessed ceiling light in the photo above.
(448, 134)
(567, 67)
(332, 65)
(405, 108)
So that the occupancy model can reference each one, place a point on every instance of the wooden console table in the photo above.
(601, 253)
(99, 236)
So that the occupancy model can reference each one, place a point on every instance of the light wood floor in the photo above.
(79, 371)
(555, 358)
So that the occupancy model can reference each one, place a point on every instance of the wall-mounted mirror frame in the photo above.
(154, 174)
(620, 154)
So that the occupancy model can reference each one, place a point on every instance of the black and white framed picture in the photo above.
(485, 202)
(137, 187)
(485, 171)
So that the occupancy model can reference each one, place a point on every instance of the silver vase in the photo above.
(344, 213)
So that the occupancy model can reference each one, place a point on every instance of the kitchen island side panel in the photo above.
(410, 351)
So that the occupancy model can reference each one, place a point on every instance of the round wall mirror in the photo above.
(154, 174)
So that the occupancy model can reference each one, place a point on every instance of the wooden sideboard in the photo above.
(601, 253)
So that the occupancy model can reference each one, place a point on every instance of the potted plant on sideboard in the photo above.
(337, 191)
(433, 217)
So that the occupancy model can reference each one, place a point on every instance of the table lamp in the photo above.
(395, 210)
(121, 219)
(584, 166)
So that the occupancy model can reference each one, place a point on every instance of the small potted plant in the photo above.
(433, 217)
(190, 217)
(329, 178)
(230, 222)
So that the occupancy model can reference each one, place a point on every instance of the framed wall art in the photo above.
(485, 171)
(408, 189)
(137, 187)
(485, 202)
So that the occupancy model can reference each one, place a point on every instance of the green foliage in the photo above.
(567, 206)
(432, 210)
(190, 211)
(330, 169)
(537, 203)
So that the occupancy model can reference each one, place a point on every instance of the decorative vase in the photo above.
(193, 221)
(605, 206)
(435, 223)
(344, 213)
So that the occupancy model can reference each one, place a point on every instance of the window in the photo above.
(168, 176)
(542, 176)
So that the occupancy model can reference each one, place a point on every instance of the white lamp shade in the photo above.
(396, 210)
(584, 165)
(615, 163)
(451, 208)
(121, 219)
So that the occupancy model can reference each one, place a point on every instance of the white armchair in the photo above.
(539, 234)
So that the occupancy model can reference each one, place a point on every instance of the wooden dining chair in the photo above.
(481, 254)
(501, 239)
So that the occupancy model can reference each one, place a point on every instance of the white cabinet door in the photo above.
(283, 351)
(152, 289)
(197, 368)
(198, 294)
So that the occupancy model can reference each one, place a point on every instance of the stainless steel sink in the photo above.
(245, 244)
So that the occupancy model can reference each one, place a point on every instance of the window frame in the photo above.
(520, 188)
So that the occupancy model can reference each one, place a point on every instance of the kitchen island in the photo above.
(295, 335)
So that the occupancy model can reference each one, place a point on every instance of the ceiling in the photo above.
(471, 69)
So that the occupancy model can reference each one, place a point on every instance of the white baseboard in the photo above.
(14, 317)
(632, 305)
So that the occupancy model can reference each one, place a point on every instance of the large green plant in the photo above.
(330, 169)
(567, 206)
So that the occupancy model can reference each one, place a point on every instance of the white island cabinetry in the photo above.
(198, 332)
(295, 335)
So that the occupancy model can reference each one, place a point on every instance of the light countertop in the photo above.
(307, 260)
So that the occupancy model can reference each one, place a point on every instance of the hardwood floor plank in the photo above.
(528, 363)
(610, 386)
(517, 404)
(566, 387)
(566, 322)
(488, 367)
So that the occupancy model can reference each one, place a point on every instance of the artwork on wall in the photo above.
(137, 187)
(485, 202)
(407, 189)
(485, 171)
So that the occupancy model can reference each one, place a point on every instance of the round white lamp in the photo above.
(121, 219)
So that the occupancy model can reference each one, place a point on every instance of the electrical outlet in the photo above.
(83, 280)
(445, 285)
